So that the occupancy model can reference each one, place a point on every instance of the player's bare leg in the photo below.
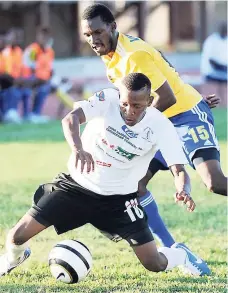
(165, 258)
(212, 176)
(17, 243)
(150, 258)
(25, 229)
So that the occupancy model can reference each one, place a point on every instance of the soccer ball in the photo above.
(70, 261)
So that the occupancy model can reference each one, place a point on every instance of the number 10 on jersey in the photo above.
(133, 210)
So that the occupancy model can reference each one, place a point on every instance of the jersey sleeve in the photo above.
(142, 62)
(167, 139)
(98, 104)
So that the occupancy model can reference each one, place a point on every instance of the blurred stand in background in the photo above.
(177, 28)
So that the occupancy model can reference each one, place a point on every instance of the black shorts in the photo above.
(66, 205)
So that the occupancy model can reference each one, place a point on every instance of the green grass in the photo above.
(31, 155)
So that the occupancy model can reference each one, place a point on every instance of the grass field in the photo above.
(31, 155)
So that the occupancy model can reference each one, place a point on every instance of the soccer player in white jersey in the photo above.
(106, 163)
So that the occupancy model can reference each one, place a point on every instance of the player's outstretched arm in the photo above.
(171, 148)
(183, 186)
(71, 129)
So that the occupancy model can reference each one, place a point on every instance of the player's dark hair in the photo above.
(136, 82)
(101, 10)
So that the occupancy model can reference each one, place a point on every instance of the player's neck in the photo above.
(143, 115)
(114, 45)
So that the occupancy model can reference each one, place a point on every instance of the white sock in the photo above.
(14, 252)
(174, 256)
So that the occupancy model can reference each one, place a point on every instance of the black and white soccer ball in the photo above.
(70, 261)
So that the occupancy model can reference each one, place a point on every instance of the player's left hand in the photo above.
(185, 199)
(212, 100)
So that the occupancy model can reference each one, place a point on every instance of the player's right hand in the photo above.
(185, 199)
(86, 159)
(212, 100)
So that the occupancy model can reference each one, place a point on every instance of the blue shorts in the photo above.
(196, 131)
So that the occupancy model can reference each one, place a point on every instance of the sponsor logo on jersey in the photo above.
(107, 154)
(147, 134)
(120, 135)
(101, 96)
(106, 143)
(119, 150)
(124, 153)
(129, 132)
(103, 164)
(131, 38)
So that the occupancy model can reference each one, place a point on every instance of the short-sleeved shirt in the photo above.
(135, 55)
(122, 153)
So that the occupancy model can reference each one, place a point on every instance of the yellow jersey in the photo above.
(134, 55)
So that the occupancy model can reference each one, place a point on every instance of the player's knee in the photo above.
(154, 266)
(215, 184)
(214, 188)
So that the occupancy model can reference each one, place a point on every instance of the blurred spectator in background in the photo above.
(11, 65)
(214, 59)
(2, 46)
(38, 64)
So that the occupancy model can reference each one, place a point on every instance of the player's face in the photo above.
(133, 104)
(99, 35)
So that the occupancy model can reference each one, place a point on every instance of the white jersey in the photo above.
(122, 153)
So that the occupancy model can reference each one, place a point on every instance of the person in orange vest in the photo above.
(38, 64)
(2, 82)
(11, 65)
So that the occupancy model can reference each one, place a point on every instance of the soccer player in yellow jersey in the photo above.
(181, 103)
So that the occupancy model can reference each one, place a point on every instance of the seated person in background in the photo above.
(11, 64)
(214, 59)
(2, 46)
(38, 63)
